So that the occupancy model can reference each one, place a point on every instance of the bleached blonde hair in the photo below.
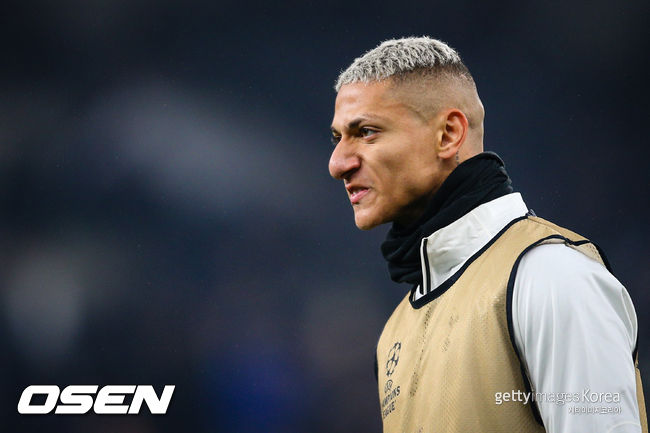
(399, 58)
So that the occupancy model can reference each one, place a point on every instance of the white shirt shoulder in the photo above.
(575, 328)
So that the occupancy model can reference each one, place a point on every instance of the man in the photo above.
(513, 324)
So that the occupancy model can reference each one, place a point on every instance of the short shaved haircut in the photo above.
(400, 58)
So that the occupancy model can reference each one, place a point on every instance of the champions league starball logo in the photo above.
(393, 358)
(388, 403)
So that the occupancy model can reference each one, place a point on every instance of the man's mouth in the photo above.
(357, 193)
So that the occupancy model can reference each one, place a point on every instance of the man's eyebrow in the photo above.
(354, 124)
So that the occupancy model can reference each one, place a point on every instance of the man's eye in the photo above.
(335, 139)
(367, 132)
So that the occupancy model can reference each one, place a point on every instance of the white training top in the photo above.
(574, 323)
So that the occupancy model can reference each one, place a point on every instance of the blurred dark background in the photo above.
(167, 216)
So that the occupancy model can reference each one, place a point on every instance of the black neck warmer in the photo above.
(476, 181)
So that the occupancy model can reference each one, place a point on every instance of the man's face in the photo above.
(385, 154)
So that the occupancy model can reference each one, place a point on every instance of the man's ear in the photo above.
(455, 128)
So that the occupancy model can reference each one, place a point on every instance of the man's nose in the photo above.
(344, 161)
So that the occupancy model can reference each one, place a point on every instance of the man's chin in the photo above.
(364, 221)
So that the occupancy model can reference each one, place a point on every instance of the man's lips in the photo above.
(357, 193)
